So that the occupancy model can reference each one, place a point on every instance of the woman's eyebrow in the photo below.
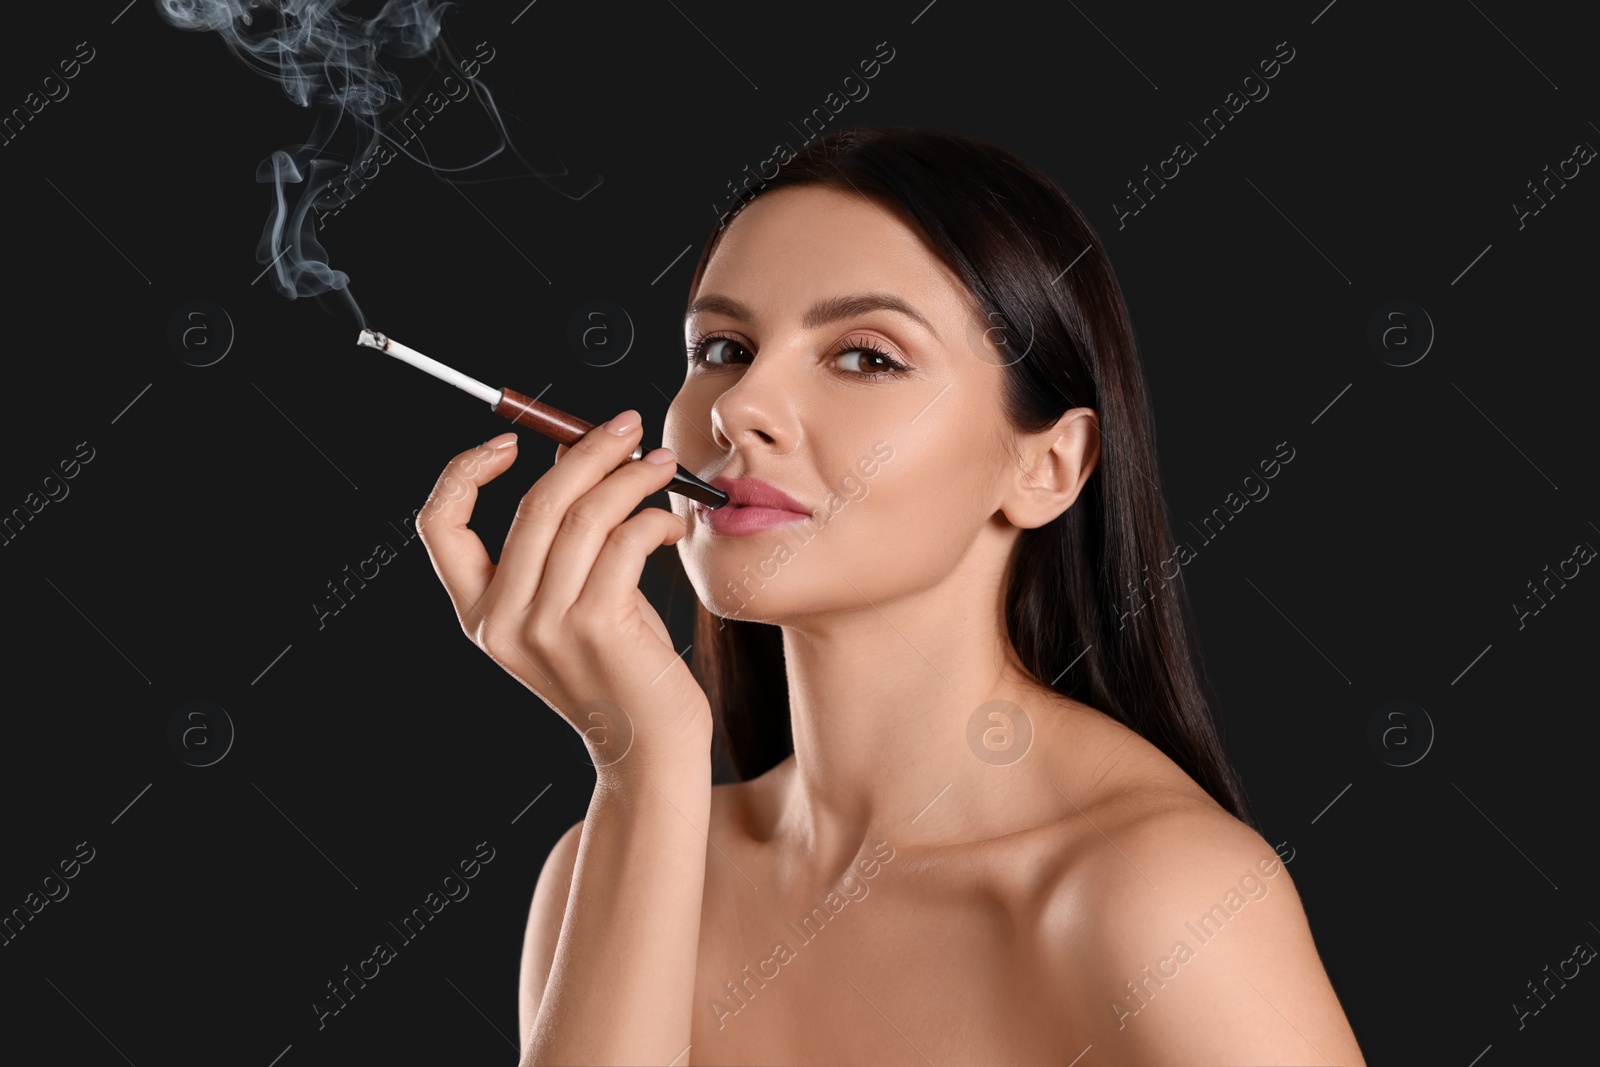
(833, 309)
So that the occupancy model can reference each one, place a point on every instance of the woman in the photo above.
(983, 814)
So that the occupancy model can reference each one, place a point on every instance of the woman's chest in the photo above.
(907, 966)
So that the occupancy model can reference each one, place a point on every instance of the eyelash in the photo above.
(893, 368)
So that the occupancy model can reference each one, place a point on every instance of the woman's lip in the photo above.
(735, 520)
(753, 506)
(753, 492)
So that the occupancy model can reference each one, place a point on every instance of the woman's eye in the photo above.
(868, 361)
(715, 350)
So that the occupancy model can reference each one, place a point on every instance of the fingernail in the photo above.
(505, 440)
(624, 423)
(660, 455)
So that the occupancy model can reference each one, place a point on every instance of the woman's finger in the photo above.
(458, 556)
(614, 578)
(543, 509)
(589, 522)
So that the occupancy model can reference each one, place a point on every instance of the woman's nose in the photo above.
(757, 409)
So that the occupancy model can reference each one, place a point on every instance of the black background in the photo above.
(379, 750)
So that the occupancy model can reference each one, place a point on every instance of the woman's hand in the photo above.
(562, 611)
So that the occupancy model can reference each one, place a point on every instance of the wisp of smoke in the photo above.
(322, 57)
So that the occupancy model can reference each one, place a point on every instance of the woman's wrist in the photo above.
(675, 755)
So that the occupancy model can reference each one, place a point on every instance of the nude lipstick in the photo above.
(754, 506)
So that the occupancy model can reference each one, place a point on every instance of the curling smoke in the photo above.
(325, 58)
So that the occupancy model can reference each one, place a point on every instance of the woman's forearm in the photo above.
(621, 982)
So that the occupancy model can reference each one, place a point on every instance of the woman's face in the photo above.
(901, 470)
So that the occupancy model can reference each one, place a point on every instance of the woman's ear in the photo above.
(1053, 465)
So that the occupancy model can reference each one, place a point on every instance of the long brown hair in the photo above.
(1081, 590)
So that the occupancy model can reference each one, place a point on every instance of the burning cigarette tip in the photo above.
(373, 339)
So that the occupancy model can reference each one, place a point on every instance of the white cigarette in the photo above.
(449, 374)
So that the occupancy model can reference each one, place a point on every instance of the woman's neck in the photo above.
(913, 723)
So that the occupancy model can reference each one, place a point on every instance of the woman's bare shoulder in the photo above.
(1113, 785)
(1152, 875)
(1144, 800)
(1140, 834)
